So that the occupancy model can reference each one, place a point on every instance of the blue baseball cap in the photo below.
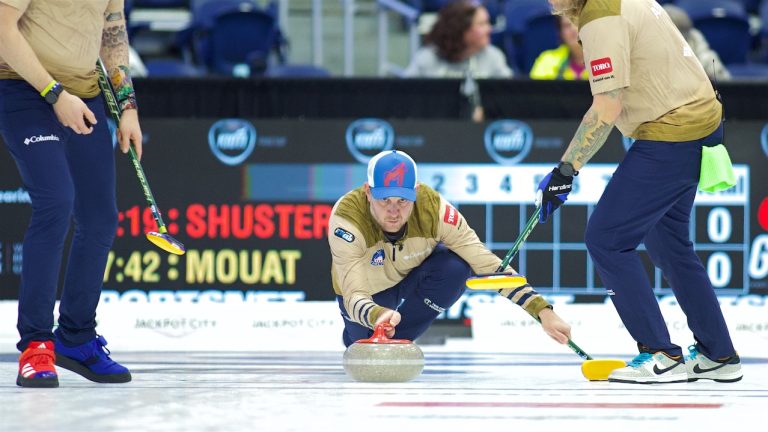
(392, 173)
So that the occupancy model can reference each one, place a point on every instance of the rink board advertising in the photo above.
(251, 199)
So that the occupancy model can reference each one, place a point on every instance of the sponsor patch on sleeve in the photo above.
(601, 66)
(451, 216)
(344, 234)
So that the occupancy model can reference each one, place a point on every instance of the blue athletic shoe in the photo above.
(91, 360)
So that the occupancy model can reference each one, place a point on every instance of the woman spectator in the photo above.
(459, 46)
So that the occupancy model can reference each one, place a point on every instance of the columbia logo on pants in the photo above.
(38, 138)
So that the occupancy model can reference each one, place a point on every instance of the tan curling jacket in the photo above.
(365, 263)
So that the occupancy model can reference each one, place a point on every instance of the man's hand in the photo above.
(130, 132)
(72, 112)
(554, 326)
(552, 193)
(389, 316)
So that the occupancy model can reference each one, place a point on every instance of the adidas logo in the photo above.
(42, 345)
(27, 370)
(39, 138)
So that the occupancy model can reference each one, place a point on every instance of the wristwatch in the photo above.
(566, 169)
(51, 93)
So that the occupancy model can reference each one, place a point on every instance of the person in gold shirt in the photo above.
(53, 122)
(646, 81)
(401, 255)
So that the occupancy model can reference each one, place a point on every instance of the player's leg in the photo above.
(669, 246)
(36, 140)
(631, 204)
(671, 250)
(91, 158)
(430, 289)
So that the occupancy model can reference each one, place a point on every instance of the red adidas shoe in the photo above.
(36, 366)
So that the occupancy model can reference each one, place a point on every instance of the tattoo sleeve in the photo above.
(114, 53)
(591, 134)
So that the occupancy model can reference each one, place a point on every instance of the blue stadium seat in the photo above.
(764, 17)
(241, 37)
(226, 33)
(297, 71)
(530, 29)
(724, 23)
(171, 68)
(429, 5)
(751, 6)
(706, 8)
(749, 71)
(160, 4)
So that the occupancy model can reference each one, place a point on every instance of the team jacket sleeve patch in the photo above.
(344, 234)
(451, 216)
(601, 66)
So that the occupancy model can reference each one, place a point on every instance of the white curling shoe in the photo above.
(723, 370)
(647, 368)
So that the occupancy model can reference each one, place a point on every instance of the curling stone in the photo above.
(381, 359)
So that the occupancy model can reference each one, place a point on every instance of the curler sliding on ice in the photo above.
(401, 256)
(592, 369)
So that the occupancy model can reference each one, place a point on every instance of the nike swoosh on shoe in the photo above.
(658, 371)
(697, 369)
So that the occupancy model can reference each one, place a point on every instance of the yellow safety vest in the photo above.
(554, 64)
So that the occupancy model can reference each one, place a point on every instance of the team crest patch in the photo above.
(378, 258)
(344, 235)
(451, 216)
(601, 66)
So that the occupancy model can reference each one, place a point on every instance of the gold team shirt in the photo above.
(364, 262)
(66, 37)
(633, 45)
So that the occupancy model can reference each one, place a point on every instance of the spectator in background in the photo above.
(565, 62)
(459, 46)
(706, 55)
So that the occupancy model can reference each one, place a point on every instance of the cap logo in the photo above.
(396, 174)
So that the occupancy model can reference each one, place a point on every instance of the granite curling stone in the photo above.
(381, 359)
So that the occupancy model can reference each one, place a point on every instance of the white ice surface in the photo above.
(461, 389)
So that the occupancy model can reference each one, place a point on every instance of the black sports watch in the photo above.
(52, 95)
(566, 169)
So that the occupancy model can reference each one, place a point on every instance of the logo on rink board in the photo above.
(232, 140)
(508, 141)
(369, 136)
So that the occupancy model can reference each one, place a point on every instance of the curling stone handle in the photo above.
(380, 332)
(380, 336)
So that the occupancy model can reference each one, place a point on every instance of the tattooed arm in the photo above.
(594, 128)
(114, 54)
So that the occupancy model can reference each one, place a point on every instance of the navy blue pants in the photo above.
(428, 289)
(649, 199)
(68, 176)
